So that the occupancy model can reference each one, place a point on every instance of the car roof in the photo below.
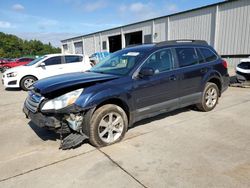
(53, 55)
(172, 43)
(245, 60)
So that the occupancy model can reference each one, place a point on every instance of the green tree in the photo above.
(11, 46)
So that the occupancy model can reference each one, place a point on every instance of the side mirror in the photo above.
(146, 71)
(42, 65)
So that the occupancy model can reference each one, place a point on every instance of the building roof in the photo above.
(178, 13)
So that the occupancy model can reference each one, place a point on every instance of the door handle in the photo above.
(172, 78)
(203, 70)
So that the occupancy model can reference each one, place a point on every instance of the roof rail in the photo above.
(182, 41)
(132, 45)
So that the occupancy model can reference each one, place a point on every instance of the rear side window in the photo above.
(187, 56)
(53, 61)
(208, 54)
(73, 58)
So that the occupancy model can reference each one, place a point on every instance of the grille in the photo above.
(32, 102)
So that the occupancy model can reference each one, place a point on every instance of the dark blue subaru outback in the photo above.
(130, 85)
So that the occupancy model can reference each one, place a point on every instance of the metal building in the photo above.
(224, 25)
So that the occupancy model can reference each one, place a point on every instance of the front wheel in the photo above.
(108, 125)
(27, 83)
(210, 97)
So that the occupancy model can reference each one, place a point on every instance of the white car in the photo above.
(243, 70)
(42, 67)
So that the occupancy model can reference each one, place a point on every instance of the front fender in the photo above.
(91, 100)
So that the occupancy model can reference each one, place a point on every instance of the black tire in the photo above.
(205, 105)
(23, 82)
(95, 127)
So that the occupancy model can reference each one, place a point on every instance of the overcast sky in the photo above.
(54, 20)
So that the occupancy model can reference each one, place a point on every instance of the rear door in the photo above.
(191, 71)
(73, 63)
(157, 93)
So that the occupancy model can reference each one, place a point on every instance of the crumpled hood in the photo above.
(60, 84)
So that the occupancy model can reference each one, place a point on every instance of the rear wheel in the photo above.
(27, 83)
(209, 98)
(108, 125)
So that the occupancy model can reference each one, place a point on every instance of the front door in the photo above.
(53, 66)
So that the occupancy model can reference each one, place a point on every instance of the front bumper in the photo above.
(242, 77)
(10, 82)
(41, 120)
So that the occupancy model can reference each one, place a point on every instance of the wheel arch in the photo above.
(25, 77)
(217, 81)
(116, 101)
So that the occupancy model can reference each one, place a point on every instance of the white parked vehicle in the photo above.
(42, 67)
(243, 70)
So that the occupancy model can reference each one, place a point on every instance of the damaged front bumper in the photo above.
(65, 121)
(41, 120)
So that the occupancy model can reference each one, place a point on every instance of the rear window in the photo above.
(73, 59)
(244, 65)
(208, 54)
(187, 56)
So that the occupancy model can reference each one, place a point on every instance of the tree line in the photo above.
(11, 47)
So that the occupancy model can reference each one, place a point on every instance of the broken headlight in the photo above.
(63, 100)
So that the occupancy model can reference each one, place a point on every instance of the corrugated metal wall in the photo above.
(89, 45)
(227, 26)
(145, 27)
(193, 25)
(234, 28)
(161, 30)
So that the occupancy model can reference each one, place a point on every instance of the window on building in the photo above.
(187, 56)
(104, 45)
(65, 47)
(147, 39)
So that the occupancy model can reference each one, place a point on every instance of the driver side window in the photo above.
(160, 61)
(53, 61)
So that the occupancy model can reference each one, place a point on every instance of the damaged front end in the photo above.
(60, 114)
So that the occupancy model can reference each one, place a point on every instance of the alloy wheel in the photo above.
(110, 127)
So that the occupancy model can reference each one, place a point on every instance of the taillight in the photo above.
(224, 63)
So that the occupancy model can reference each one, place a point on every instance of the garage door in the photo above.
(78, 48)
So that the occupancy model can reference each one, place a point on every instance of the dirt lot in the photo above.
(184, 148)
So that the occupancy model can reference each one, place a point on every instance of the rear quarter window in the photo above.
(208, 55)
(73, 59)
